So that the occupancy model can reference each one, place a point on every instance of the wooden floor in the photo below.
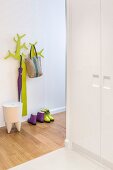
(33, 141)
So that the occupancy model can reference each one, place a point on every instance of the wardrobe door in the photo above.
(84, 47)
(107, 73)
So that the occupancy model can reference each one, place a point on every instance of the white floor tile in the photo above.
(61, 159)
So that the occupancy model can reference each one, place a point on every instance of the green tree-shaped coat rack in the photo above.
(18, 55)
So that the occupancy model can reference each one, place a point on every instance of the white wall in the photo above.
(43, 21)
(55, 53)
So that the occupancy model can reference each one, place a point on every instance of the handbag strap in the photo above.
(33, 46)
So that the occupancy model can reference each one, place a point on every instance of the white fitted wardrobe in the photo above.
(90, 77)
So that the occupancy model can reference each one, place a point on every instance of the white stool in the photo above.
(12, 115)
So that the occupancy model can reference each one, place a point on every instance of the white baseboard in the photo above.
(53, 111)
(68, 144)
(107, 163)
(2, 124)
(58, 110)
(91, 156)
(84, 151)
(25, 118)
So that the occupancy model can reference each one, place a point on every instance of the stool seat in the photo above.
(12, 115)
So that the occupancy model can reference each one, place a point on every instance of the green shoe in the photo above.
(47, 112)
(50, 117)
(46, 118)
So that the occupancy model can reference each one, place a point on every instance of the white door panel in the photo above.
(85, 73)
(107, 89)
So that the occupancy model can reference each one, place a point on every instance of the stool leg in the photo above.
(18, 126)
(9, 127)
